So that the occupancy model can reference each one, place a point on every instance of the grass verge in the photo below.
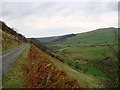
(14, 78)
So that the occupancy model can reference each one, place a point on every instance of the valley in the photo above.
(85, 60)
(54, 44)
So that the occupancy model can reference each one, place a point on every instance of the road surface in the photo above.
(9, 59)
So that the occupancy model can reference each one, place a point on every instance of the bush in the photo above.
(69, 63)
(77, 66)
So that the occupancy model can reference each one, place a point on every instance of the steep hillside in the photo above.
(10, 39)
(43, 73)
(36, 70)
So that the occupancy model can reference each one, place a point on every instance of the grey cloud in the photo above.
(16, 12)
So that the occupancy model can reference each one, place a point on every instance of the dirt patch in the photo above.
(82, 62)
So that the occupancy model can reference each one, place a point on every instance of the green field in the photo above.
(99, 60)
(87, 53)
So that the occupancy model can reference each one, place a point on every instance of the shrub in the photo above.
(69, 63)
(77, 66)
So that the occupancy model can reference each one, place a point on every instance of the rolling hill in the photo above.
(98, 36)
(55, 39)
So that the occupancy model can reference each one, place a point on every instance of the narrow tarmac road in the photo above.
(9, 59)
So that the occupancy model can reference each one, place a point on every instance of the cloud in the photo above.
(60, 0)
(41, 19)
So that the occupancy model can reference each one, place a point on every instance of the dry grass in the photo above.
(9, 42)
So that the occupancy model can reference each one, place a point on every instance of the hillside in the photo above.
(93, 53)
(10, 38)
(34, 68)
(45, 40)
(33, 71)
(99, 36)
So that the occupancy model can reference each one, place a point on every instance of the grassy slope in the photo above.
(97, 36)
(82, 79)
(71, 48)
(93, 37)
(9, 42)
(38, 66)
(91, 70)
(14, 78)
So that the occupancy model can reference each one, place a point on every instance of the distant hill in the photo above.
(101, 35)
(46, 39)
(98, 36)
(55, 39)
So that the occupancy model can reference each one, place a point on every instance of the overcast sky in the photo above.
(43, 19)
